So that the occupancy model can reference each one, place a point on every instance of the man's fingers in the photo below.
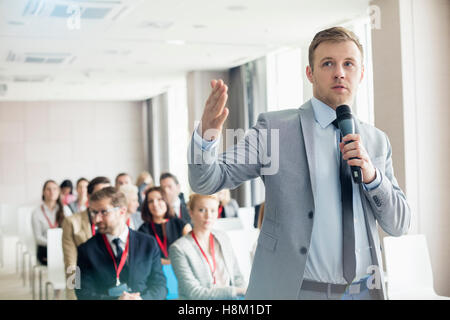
(223, 116)
(213, 83)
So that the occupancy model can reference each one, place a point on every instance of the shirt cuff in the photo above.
(205, 145)
(375, 183)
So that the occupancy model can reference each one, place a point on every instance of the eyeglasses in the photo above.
(103, 213)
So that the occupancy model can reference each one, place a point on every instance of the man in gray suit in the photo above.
(319, 236)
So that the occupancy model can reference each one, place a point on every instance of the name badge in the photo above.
(118, 290)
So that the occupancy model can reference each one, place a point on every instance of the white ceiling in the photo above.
(133, 49)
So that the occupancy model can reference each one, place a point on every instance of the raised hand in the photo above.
(215, 112)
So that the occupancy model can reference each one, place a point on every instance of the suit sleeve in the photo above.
(68, 244)
(156, 282)
(209, 173)
(388, 201)
(87, 280)
(188, 284)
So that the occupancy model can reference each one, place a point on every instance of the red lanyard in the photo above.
(211, 245)
(52, 226)
(220, 212)
(128, 222)
(162, 245)
(123, 259)
(180, 211)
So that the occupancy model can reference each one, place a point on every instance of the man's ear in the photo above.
(309, 73)
(362, 73)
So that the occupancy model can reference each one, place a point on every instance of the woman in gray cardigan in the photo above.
(203, 260)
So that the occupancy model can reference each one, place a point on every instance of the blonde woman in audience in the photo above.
(134, 219)
(228, 207)
(160, 221)
(203, 261)
(48, 215)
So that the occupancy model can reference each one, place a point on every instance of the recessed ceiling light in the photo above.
(237, 8)
(199, 26)
(176, 42)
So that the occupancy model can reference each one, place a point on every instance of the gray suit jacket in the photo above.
(283, 244)
(194, 278)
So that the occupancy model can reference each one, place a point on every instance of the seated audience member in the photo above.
(160, 222)
(258, 226)
(134, 220)
(122, 179)
(81, 203)
(118, 263)
(66, 195)
(143, 182)
(50, 214)
(77, 229)
(203, 261)
(169, 183)
(228, 208)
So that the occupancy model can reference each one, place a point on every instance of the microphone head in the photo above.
(343, 111)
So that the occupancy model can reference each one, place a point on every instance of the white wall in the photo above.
(411, 79)
(58, 140)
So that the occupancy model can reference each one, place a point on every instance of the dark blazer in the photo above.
(184, 210)
(97, 271)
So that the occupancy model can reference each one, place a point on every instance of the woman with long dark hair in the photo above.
(48, 215)
(161, 222)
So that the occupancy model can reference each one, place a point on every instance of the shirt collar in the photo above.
(323, 113)
(123, 236)
(177, 203)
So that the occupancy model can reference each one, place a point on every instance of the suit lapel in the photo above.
(307, 120)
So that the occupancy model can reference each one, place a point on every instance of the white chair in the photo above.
(10, 245)
(247, 216)
(226, 224)
(25, 233)
(242, 241)
(55, 261)
(408, 268)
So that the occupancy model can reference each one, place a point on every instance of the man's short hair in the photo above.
(96, 181)
(122, 174)
(334, 34)
(118, 199)
(166, 175)
(128, 190)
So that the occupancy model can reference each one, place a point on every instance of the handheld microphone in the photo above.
(347, 126)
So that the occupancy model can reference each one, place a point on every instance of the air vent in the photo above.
(88, 9)
(40, 57)
(32, 79)
(160, 25)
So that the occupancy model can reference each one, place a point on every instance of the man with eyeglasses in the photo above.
(118, 263)
(77, 229)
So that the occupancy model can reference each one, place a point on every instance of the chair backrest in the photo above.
(242, 241)
(247, 216)
(408, 265)
(55, 259)
(228, 224)
(8, 219)
(24, 227)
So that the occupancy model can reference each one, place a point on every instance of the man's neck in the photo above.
(118, 230)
